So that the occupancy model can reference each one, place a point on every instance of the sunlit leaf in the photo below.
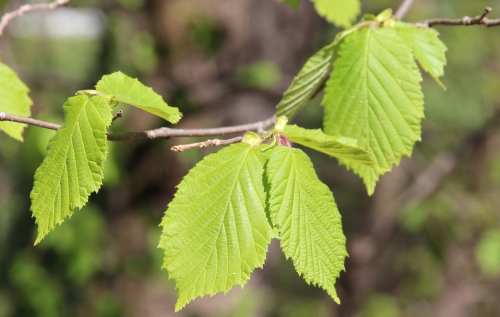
(374, 96)
(337, 146)
(130, 91)
(73, 167)
(307, 218)
(427, 48)
(13, 100)
(340, 12)
(215, 231)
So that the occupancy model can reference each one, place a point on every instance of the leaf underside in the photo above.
(307, 218)
(215, 231)
(130, 91)
(374, 96)
(73, 167)
(336, 146)
(306, 83)
(14, 100)
(339, 12)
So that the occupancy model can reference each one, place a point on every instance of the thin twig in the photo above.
(6, 18)
(42, 124)
(204, 144)
(403, 9)
(119, 114)
(478, 20)
(161, 133)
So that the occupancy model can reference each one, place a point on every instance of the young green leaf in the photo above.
(374, 96)
(130, 91)
(310, 78)
(307, 218)
(337, 146)
(384, 16)
(427, 48)
(215, 231)
(306, 83)
(14, 100)
(339, 12)
(73, 167)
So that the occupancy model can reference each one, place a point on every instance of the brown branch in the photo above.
(6, 18)
(403, 9)
(478, 20)
(201, 145)
(42, 124)
(161, 133)
(119, 114)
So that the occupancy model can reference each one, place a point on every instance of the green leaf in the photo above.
(384, 16)
(307, 218)
(73, 167)
(215, 231)
(306, 83)
(293, 3)
(374, 96)
(427, 48)
(252, 138)
(13, 100)
(310, 78)
(339, 12)
(337, 146)
(130, 91)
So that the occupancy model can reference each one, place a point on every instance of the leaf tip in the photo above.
(179, 305)
(40, 235)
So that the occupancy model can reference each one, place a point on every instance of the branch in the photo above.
(42, 124)
(161, 133)
(119, 114)
(478, 20)
(201, 145)
(6, 18)
(403, 9)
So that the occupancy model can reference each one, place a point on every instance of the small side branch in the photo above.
(478, 20)
(161, 133)
(6, 18)
(119, 114)
(201, 145)
(166, 133)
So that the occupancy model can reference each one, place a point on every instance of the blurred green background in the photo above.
(426, 244)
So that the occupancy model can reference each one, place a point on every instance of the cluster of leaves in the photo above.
(232, 203)
(73, 166)
(373, 94)
(229, 207)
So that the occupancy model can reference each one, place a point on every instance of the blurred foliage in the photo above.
(228, 63)
(3, 3)
(263, 75)
(488, 253)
